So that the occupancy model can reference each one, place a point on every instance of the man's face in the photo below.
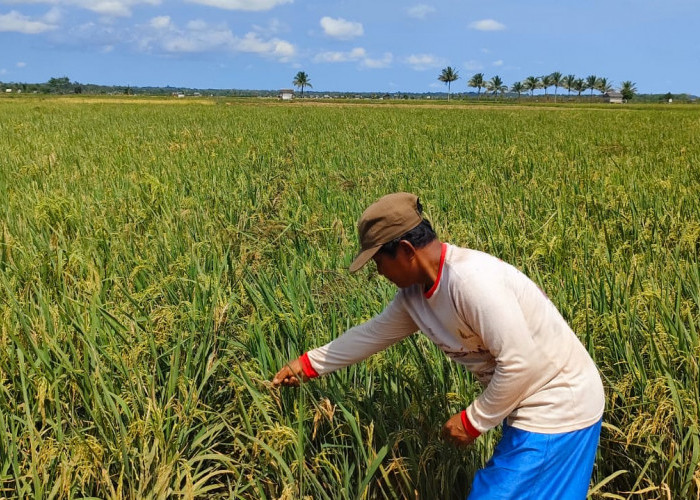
(395, 269)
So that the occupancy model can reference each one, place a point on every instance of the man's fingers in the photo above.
(453, 432)
(281, 376)
(288, 376)
(448, 434)
(285, 377)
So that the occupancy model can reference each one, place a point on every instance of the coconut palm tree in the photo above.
(448, 75)
(531, 83)
(603, 85)
(477, 82)
(518, 87)
(591, 82)
(628, 89)
(546, 83)
(579, 85)
(496, 86)
(556, 80)
(569, 82)
(301, 79)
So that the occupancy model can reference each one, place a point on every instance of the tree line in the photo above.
(493, 86)
(64, 86)
(496, 86)
(571, 83)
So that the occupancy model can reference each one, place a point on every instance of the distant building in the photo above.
(613, 97)
(7, 91)
(286, 94)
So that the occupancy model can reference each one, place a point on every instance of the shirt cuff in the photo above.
(306, 366)
(468, 427)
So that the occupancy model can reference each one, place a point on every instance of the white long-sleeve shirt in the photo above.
(488, 316)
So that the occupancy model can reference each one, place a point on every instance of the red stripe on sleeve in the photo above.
(471, 430)
(306, 366)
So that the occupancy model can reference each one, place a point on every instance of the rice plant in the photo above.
(159, 262)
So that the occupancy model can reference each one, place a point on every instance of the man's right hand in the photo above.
(290, 375)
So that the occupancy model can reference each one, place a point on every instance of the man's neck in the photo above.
(429, 263)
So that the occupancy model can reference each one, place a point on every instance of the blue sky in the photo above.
(356, 45)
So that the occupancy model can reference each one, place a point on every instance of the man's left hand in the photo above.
(453, 432)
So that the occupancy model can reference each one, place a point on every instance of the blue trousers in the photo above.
(533, 466)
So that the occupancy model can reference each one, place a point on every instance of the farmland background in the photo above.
(159, 261)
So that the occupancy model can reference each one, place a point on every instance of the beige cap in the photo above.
(384, 220)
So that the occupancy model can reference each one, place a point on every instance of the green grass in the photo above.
(159, 263)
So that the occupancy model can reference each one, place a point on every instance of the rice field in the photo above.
(160, 261)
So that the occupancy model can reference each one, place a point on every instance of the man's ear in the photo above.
(408, 249)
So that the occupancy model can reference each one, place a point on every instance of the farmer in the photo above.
(540, 383)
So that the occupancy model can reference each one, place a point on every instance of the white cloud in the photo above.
(250, 5)
(110, 8)
(197, 25)
(487, 25)
(53, 16)
(420, 11)
(16, 22)
(358, 54)
(337, 57)
(384, 62)
(252, 43)
(160, 22)
(498, 63)
(421, 62)
(274, 27)
(21, 64)
(198, 41)
(198, 36)
(340, 28)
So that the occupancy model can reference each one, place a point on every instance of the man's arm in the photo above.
(358, 343)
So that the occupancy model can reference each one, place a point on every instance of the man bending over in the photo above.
(539, 381)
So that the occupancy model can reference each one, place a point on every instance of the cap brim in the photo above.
(362, 258)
